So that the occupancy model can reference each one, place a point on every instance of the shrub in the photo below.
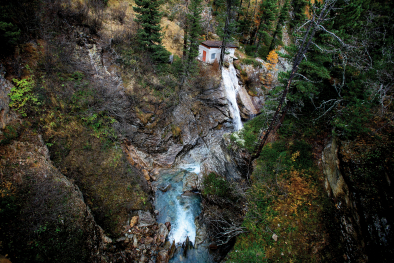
(119, 13)
(22, 96)
(9, 133)
(215, 185)
(263, 51)
(251, 61)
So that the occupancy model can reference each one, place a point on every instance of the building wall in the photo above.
(211, 51)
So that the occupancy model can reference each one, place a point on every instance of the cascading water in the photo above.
(230, 82)
(181, 208)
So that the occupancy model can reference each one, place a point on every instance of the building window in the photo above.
(213, 56)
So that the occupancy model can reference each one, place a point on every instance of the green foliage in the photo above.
(263, 51)
(193, 32)
(251, 131)
(268, 10)
(249, 50)
(149, 35)
(251, 61)
(299, 9)
(10, 132)
(283, 17)
(9, 33)
(22, 97)
(283, 199)
(215, 185)
(101, 125)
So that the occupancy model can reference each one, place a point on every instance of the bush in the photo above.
(251, 61)
(215, 185)
(9, 133)
(9, 34)
(251, 131)
(22, 97)
(119, 13)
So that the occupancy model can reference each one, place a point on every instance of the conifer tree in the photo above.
(299, 10)
(191, 46)
(268, 15)
(283, 16)
(227, 27)
(149, 34)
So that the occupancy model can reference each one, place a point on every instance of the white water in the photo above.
(183, 226)
(193, 167)
(180, 209)
(176, 208)
(230, 82)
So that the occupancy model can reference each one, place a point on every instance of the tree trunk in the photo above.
(226, 35)
(307, 40)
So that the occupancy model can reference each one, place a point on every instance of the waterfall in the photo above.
(180, 206)
(181, 210)
(230, 82)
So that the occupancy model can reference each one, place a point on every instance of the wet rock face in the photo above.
(190, 182)
(225, 159)
(349, 219)
(195, 117)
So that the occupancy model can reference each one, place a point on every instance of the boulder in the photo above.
(133, 221)
(148, 240)
(162, 256)
(162, 232)
(165, 188)
(135, 242)
(145, 218)
(143, 258)
(172, 250)
(190, 182)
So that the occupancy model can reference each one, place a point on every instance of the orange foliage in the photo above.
(272, 59)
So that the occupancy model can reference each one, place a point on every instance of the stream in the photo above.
(179, 205)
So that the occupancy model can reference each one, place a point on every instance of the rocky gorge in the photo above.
(106, 157)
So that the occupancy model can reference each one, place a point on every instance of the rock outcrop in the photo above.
(365, 223)
(47, 202)
(6, 116)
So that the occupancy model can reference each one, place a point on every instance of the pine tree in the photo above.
(269, 12)
(299, 10)
(191, 46)
(283, 16)
(149, 34)
(227, 27)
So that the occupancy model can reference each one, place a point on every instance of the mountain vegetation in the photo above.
(82, 80)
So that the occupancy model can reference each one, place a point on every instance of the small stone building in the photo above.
(209, 51)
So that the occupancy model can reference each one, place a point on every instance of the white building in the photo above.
(209, 51)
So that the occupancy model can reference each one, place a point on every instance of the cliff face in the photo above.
(43, 213)
(361, 190)
(6, 116)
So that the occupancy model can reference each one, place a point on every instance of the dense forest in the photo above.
(99, 97)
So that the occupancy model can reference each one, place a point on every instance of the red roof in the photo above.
(211, 43)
